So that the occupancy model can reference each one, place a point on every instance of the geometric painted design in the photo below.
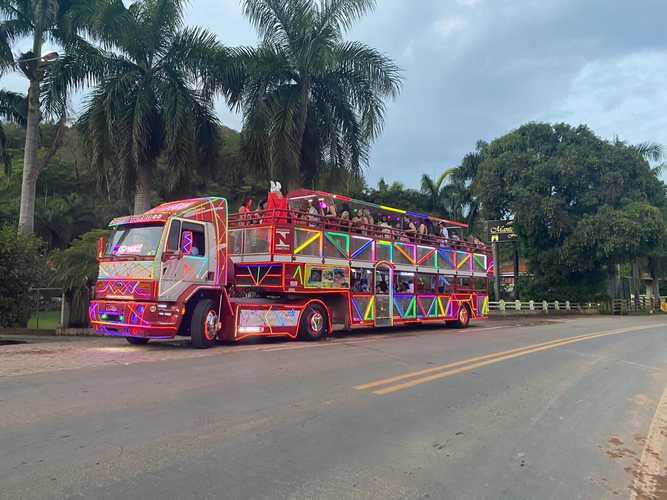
(479, 263)
(268, 317)
(336, 245)
(463, 261)
(404, 306)
(446, 259)
(362, 249)
(126, 269)
(259, 275)
(362, 307)
(427, 306)
(383, 251)
(307, 242)
(426, 256)
(404, 253)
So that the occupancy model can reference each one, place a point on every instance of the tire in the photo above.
(314, 324)
(463, 319)
(202, 329)
(137, 340)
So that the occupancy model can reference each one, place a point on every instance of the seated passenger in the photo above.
(422, 230)
(443, 230)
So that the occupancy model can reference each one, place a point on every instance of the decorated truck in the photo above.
(302, 268)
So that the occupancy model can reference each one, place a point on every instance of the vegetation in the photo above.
(154, 98)
(22, 267)
(313, 103)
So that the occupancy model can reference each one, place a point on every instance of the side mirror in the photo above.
(101, 245)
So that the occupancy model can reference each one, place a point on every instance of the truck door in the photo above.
(186, 259)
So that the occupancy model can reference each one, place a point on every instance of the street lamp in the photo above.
(46, 58)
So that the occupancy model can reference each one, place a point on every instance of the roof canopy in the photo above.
(305, 194)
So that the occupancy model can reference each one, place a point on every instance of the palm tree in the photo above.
(434, 190)
(43, 21)
(312, 99)
(13, 109)
(154, 100)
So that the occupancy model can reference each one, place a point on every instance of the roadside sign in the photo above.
(501, 230)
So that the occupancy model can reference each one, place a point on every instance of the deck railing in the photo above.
(299, 219)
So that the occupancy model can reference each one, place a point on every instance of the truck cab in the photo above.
(163, 273)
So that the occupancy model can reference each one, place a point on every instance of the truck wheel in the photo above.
(314, 323)
(137, 340)
(463, 319)
(203, 324)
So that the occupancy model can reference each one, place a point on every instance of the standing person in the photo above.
(313, 214)
(245, 209)
(443, 230)
(257, 215)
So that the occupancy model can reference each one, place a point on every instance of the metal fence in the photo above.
(542, 307)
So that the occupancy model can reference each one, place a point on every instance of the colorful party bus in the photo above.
(305, 266)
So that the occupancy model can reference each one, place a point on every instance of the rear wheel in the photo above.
(204, 324)
(463, 319)
(314, 323)
(137, 340)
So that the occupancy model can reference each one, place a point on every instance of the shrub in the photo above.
(22, 266)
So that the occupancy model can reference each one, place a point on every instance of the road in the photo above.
(531, 409)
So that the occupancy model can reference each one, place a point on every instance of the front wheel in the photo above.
(137, 340)
(204, 324)
(314, 323)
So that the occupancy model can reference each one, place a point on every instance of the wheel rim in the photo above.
(210, 325)
(316, 322)
(463, 315)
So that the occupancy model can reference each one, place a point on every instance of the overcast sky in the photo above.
(475, 69)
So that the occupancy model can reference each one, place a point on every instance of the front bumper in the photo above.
(134, 319)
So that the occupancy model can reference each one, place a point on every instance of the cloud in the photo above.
(476, 69)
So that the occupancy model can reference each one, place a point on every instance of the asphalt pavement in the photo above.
(531, 409)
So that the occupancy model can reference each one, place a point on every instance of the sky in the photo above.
(476, 69)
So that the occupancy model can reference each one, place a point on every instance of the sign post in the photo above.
(501, 231)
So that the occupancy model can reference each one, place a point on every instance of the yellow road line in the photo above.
(442, 371)
(651, 468)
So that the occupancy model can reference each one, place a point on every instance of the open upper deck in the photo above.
(353, 232)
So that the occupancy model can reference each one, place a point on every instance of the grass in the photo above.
(48, 320)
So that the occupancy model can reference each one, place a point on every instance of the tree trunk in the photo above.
(142, 195)
(30, 167)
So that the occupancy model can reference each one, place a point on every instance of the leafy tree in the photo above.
(76, 273)
(21, 267)
(154, 99)
(579, 203)
(13, 109)
(313, 101)
(54, 21)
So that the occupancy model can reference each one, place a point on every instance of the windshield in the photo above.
(140, 241)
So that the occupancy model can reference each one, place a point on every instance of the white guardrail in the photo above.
(502, 307)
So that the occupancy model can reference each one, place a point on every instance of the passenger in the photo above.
(345, 220)
(369, 217)
(313, 214)
(244, 210)
(386, 228)
(356, 219)
(410, 229)
(422, 229)
(443, 230)
(257, 216)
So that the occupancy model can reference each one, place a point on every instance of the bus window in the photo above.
(361, 280)
(480, 284)
(465, 283)
(444, 284)
(426, 283)
(404, 282)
